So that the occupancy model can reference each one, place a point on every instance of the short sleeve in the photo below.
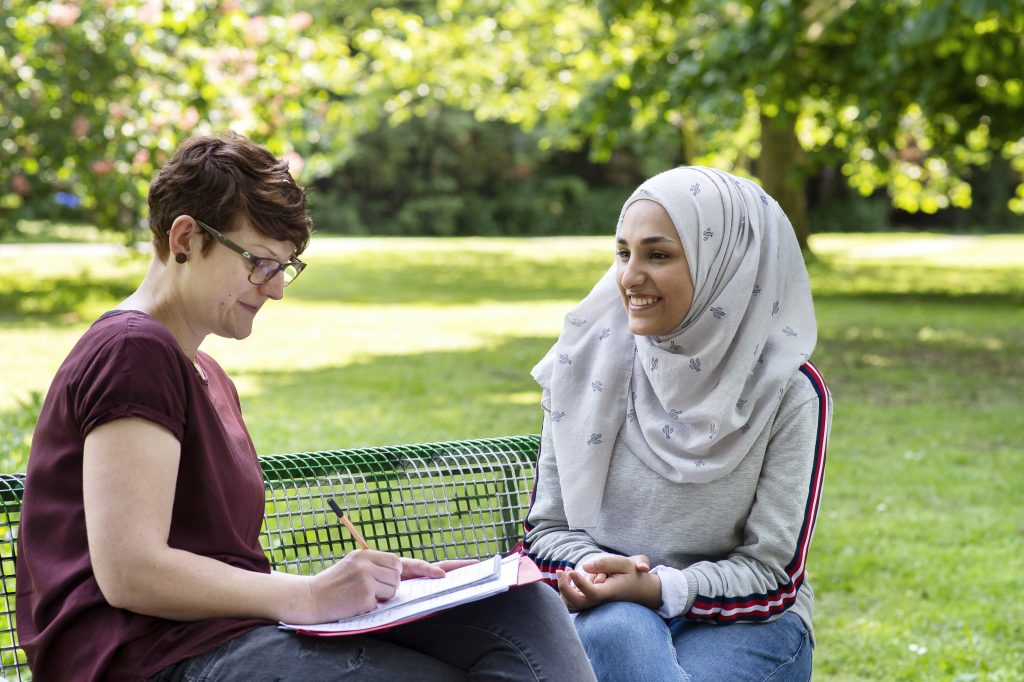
(134, 373)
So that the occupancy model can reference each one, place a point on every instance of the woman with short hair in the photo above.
(139, 554)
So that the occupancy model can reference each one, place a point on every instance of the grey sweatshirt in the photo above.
(727, 551)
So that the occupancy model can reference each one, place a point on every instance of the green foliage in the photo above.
(63, 81)
(95, 95)
(908, 96)
(448, 174)
(904, 96)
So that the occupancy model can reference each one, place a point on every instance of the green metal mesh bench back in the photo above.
(433, 501)
(11, 659)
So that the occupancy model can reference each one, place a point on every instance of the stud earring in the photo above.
(180, 257)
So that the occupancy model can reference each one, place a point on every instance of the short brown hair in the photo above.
(223, 180)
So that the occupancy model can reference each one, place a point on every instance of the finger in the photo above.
(583, 585)
(599, 578)
(610, 564)
(385, 560)
(565, 582)
(574, 602)
(385, 574)
(452, 564)
(642, 563)
(385, 584)
(417, 568)
(572, 597)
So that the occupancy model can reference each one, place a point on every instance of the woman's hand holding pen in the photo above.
(363, 578)
(611, 578)
(354, 585)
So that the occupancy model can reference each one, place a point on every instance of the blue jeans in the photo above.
(628, 642)
(523, 634)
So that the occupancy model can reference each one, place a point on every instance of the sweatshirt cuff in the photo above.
(678, 591)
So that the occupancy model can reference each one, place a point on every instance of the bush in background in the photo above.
(852, 214)
(451, 175)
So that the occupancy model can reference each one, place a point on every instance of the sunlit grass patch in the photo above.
(452, 271)
(957, 251)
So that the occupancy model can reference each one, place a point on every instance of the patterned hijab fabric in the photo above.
(689, 404)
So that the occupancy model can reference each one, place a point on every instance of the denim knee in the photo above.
(617, 620)
(627, 642)
(777, 650)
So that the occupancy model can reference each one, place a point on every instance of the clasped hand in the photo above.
(611, 578)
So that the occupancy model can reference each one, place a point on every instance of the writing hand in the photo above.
(354, 585)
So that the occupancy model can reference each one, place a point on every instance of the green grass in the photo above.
(918, 559)
(49, 231)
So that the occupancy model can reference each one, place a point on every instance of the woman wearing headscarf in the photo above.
(684, 440)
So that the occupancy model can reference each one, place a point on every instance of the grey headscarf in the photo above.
(699, 396)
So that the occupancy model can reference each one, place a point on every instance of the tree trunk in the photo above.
(999, 190)
(781, 171)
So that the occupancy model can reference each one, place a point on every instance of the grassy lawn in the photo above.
(918, 561)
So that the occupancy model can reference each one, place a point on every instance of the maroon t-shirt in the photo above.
(129, 365)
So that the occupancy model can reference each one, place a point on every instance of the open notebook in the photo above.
(421, 597)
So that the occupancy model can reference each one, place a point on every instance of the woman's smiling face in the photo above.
(652, 274)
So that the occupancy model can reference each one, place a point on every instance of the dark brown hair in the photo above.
(224, 180)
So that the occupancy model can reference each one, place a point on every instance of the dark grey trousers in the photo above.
(521, 635)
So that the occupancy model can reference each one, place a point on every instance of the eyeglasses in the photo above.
(263, 269)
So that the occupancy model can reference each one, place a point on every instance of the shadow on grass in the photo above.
(62, 232)
(908, 282)
(964, 354)
(16, 427)
(473, 393)
(59, 300)
(472, 276)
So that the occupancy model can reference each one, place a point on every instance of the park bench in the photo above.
(433, 501)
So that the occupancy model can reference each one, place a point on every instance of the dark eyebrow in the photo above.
(272, 256)
(647, 240)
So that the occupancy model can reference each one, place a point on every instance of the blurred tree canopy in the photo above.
(96, 94)
(906, 97)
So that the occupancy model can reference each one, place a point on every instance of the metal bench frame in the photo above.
(434, 501)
